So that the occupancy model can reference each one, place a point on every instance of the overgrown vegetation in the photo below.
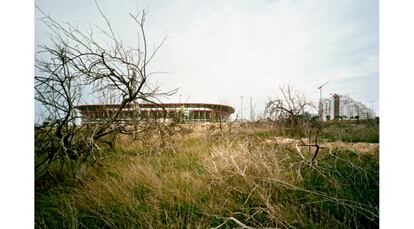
(215, 179)
(146, 173)
(352, 131)
(74, 62)
(346, 131)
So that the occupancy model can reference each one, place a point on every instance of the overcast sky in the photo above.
(218, 51)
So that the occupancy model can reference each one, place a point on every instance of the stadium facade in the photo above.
(167, 112)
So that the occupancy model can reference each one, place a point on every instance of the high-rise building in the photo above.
(344, 107)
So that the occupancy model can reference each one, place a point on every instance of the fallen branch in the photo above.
(234, 220)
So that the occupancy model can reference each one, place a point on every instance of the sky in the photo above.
(218, 51)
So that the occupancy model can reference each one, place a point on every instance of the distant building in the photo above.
(181, 112)
(344, 107)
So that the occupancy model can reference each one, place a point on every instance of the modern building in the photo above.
(344, 107)
(168, 112)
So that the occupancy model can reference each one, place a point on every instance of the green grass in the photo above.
(357, 131)
(205, 180)
(346, 131)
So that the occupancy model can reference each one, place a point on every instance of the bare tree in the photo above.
(290, 106)
(289, 113)
(58, 92)
(75, 60)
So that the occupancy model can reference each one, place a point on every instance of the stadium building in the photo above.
(167, 112)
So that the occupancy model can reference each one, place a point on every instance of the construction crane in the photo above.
(320, 100)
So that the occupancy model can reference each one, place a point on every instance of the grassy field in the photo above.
(220, 179)
(352, 131)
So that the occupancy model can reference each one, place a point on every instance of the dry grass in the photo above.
(220, 181)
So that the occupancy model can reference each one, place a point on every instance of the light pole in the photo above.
(372, 108)
(241, 107)
(251, 111)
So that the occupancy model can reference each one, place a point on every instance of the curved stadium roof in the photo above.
(217, 107)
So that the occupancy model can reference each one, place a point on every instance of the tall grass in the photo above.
(218, 181)
(340, 130)
(357, 131)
